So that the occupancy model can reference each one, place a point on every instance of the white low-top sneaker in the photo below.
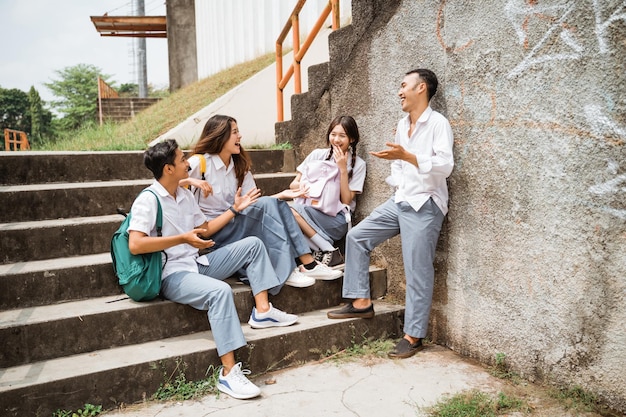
(299, 280)
(322, 272)
(236, 384)
(271, 318)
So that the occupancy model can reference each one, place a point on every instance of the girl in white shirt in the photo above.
(323, 230)
(270, 219)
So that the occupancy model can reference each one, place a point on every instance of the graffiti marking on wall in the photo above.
(520, 15)
(613, 186)
(603, 126)
(446, 47)
(601, 27)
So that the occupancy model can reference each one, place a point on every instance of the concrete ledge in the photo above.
(31, 241)
(32, 167)
(29, 334)
(127, 374)
(35, 283)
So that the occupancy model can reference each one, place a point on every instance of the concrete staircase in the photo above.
(70, 336)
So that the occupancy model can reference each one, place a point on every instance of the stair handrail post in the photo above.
(279, 76)
(299, 51)
(295, 30)
(336, 19)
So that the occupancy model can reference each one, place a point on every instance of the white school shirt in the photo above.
(222, 180)
(358, 173)
(180, 215)
(432, 143)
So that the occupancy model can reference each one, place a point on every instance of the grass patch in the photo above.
(176, 386)
(275, 146)
(149, 124)
(576, 399)
(477, 404)
(500, 369)
(89, 410)
(367, 348)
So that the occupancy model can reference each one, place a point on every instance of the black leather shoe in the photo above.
(404, 349)
(350, 312)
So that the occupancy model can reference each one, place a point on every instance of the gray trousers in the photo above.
(419, 232)
(206, 290)
(272, 221)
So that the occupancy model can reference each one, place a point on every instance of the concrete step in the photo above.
(20, 168)
(66, 200)
(48, 239)
(97, 198)
(36, 283)
(130, 373)
(30, 334)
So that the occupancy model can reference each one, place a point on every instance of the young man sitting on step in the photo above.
(197, 280)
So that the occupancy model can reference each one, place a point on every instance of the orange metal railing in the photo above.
(15, 140)
(104, 91)
(298, 50)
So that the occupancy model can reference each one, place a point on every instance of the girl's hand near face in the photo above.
(341, 159)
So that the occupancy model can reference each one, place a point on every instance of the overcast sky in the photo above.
(39, 37)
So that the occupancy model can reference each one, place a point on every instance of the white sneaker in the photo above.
(322, 272)
(299, 280)
(272, 318)
(236, 384)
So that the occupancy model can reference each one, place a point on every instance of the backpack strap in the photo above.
(202, 167)
(202, 164)
(159, 219)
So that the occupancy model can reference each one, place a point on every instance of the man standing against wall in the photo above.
(421, 161)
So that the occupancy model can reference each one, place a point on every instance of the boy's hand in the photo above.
(193, 238)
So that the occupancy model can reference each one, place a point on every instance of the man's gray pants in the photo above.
(419, 232)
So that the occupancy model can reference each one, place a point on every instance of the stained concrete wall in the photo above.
(532, 260)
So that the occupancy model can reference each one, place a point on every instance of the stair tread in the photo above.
(275, 174)
(77, 309)
(72, 221)
(110, 183)
(54, 264)
(91, 306)
(74, 185)
(118, 357)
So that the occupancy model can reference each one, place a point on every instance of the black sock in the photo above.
(310, 266)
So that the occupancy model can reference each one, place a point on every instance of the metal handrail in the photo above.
(299, 51)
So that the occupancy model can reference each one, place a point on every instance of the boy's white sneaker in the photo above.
(271, 318)
(322, 272)
(236, 384)
(299, 280)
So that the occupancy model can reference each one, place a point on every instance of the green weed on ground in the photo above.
(477, 404)
(365, 348)
(176, 386)
(576, 399)
(89, 410)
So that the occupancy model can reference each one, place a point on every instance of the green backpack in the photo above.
(139, 275)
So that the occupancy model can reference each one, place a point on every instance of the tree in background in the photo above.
(40, 119)
(25, 112)
(77, 90)
(14, 107)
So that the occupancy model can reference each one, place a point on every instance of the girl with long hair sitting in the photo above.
(269, 218)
